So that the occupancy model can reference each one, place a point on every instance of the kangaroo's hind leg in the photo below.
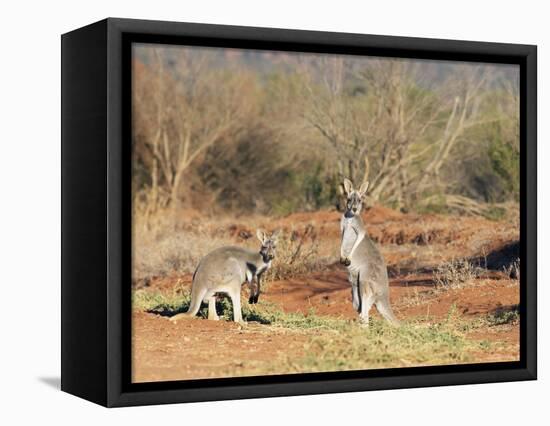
(367, 300)
(212, 314)
(355, 299)
(384, 307)
(235, 296)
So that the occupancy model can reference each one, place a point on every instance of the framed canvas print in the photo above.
(254, 212)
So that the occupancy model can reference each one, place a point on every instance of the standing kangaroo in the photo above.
(224, 270)
(367, 270)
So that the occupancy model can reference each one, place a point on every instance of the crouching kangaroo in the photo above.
(367, 270)
(224, 270)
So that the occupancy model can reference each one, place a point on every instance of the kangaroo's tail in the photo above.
(386, 311)
(197, 297)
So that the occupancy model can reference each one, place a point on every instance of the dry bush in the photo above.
(180, 110)
(246, 132)
(297, 253)
(165, 250)
(455, 274)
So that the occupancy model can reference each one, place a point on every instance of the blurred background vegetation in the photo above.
(257, 132)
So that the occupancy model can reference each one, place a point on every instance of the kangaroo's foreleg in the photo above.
(342, 255)
(360, 236)
(255, 290)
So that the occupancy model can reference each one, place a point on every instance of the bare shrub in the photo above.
(455, 274)
(297, 253)
(180, 112)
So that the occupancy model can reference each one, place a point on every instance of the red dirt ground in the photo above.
(162, 349)
(201, 348)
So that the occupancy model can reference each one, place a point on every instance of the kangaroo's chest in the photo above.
(252, 270)
(355, 267)
(350, 233)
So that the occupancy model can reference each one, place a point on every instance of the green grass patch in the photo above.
(171, 304)
(380, 345)
(263, 313)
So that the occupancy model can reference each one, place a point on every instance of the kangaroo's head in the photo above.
(269, 244)
(354, 198)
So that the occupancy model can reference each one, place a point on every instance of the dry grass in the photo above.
(297, 253)
(455, 274)
(178, 251)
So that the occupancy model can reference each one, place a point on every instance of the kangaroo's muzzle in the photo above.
(345, 261)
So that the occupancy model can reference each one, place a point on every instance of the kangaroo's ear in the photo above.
(348, 186)
(261, 235)
(364, 187)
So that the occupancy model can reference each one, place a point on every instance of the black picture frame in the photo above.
(96, 211)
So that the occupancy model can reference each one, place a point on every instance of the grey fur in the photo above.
(224, 270)
(367, 270)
